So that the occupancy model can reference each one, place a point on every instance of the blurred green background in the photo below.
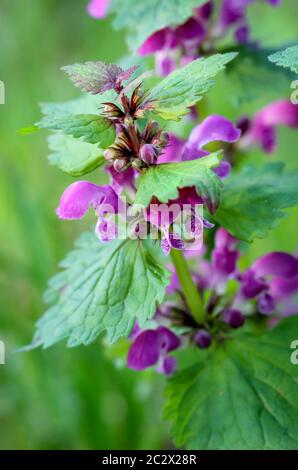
(75, 398)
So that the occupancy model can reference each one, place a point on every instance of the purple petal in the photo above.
(156, 42)
(224, 240)
(189, 195)
(262, 130)
(213, 128)
(123, 180)
(244, 124)
(279, 112)
(205, 11)
(148, 153)
(242, 34)
(175, 241)
(145, 350)
(223, 169)
(150, 346)
(233, 317)
(106, 230)
(224, 256)
(224, 261)
(207, 224)
(98, 8)
(276, 264)
(203, 339)
(266, 304)
(232, 11)
(250, 285)
(173, 151)
(165, 63)
(283, 288)
(171, 240)
(169, 340)
(191, 29)
(78, 197)
(168, 366)
(165, 246)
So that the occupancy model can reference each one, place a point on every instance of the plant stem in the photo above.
(189, 289)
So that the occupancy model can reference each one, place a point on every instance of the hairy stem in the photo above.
(189, 289)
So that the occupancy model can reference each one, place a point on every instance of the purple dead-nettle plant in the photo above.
(176, 209)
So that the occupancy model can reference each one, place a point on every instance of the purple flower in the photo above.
(191, 224)
(251, 286)
(233, 317)
(167, 43)
(213, 128)
(203, 339)
(162, 216)
(123, 180)
(98, 8)
(232, 12)
(261, 129)
(148, 153)
(223, 259)
(271, 278)
(151, 348)
(233, 15)
(164, 38)
(276, 264)
(79, 196)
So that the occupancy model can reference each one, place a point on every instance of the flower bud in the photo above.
(109, 154)
(203, 339)
(119, 165)
(233, 317)
(164, 139)
(148, 153)
(154, 125)
(128, 121)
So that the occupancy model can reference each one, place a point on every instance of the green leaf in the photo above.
(164, 180)
(252, 78)
(288, 58)
(85, 104)
(74, 156)
(71, 155)
(93, 128)
(103, 287)
(144, 17)
(242, 394)
(96, 77)
(252, 200)
(172, 97)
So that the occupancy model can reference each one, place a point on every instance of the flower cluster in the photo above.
(231, 298)
(265, 290)
(177, 46)
(133, 151)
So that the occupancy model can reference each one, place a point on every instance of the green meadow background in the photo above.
(80, 398)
